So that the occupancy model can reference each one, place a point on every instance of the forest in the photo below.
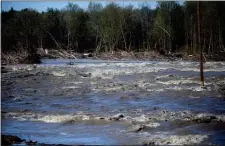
(171, 27)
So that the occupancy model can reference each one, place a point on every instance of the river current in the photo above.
(114, 102)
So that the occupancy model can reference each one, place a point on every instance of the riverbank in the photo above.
(23, 57)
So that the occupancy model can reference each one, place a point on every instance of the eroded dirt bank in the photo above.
(114, 102)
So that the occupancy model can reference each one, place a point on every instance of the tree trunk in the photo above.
(210, 40)
(40, 43)
(123, 35)
(68, 40)
(199, 45)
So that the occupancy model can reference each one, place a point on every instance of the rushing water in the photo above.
(114, 102)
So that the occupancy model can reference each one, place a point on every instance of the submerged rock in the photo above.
(137, 128)
(85, 75)
(70, 63)
(30, 142)
(117, 117)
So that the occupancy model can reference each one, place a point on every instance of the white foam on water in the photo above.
(75, 83)
(137, 66)
(61, 118)
(54, 118)
(47, 118)
(181, 82)
(202, 115)
(109, 72)
(163, 76)
(71, 117)
(141, 118)
(221, 118)
(57, 118)
(156, 90)
(220, 82)
(194, 96)
(88, 65)
(153, 125)
(199, 89)
(116, 88)
(63, 133)
(196, 69)
(177, 82)
(20, 116)
(180, 140)
(22, 67)
(169, 138)
(178, 88)
(58, 73)
(70, 87)
(144, 84)
(134, 68)
(215, 63)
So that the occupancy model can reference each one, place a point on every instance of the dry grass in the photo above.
(57, 54)
(21, 55)
(130, 55)
(14, 57)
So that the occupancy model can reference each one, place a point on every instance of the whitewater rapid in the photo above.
(114, 102)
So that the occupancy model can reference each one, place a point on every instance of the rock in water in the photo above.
(117, 117)
(138, 128)
(9, 140)
(70, 63)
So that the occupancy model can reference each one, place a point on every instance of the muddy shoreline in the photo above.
(25, 57)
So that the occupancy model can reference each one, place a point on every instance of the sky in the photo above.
(43, 5)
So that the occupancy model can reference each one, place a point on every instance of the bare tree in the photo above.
(199, 45)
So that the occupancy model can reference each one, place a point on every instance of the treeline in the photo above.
(170, 27)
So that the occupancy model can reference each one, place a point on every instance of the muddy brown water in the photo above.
(114, 102)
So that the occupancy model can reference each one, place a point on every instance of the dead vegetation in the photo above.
(14, 57)
(23, 56)
(54, 54)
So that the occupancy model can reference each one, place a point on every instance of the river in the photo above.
(114, 102)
